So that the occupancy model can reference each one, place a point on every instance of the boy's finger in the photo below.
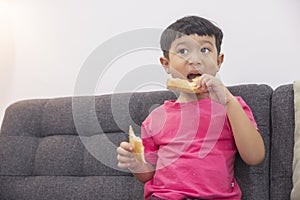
(123, 152)
(127, 146)
(125, 159)
(123, 165)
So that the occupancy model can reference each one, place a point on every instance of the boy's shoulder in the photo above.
(155, 112)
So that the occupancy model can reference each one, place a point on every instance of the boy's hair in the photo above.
(187, 26)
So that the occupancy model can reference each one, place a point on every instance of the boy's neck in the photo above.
(186, 97)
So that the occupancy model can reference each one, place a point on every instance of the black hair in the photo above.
(187, 26)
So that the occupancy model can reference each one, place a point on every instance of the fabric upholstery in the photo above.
(43, 153)
(53, 149)
(282, 142)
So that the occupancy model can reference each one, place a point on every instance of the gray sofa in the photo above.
(64, 148)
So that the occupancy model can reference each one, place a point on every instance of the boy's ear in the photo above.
(165, 63)
(220, 60)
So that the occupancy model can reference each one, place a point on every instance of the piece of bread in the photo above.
(182, 85)
(137, 145)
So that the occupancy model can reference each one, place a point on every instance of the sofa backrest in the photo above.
(282, 142)
(50, 149)
(53, 149)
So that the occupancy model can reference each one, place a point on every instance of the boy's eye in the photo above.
(182, 51)
(204, 50)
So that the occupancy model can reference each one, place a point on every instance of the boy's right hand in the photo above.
(126, 158)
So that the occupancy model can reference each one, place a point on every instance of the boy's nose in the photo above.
(195, 59)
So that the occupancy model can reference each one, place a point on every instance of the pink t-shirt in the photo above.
(193, 148)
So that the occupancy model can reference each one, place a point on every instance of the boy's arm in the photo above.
(143, 172)
(248, 140)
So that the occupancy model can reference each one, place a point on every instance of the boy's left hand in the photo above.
(217, 90)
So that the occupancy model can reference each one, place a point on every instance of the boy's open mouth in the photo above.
(190, 77)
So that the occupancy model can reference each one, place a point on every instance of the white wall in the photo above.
(45, 43)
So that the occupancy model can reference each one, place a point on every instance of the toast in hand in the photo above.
(137, 145)
(181, 85)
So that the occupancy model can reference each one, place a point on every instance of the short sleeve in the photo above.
(248, 111)
(150, 148)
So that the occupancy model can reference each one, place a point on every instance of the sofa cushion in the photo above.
(70, 188)
(59, 156)
(17, 155)
(23, 118)
(282, 142)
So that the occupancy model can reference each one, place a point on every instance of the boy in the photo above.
(190, 143)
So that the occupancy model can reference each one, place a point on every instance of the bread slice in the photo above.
(181, 85)
(137, 145)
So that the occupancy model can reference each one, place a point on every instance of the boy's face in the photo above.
(192, 55)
